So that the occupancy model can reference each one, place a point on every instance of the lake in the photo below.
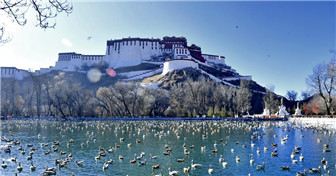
(230, 139)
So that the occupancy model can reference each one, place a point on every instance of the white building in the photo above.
(13, 72)
(74, 61)
(132, 51)
(214, 59)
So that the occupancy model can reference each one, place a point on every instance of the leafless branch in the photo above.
(46, 12)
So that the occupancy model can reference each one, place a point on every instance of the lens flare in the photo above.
(94, 75)
(111, 72)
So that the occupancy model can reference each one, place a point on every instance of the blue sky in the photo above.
(278, 43)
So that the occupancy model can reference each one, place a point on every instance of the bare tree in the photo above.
(105, 101)
(121, 99)
(28, 92)
(158, 101)
(270, 100)
(178, 99)
(45, 11)
(322, 81)
(243, 97)
(291, 95)
(47, 83)
(37, 84)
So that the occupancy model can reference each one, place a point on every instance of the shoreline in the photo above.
(328, 123)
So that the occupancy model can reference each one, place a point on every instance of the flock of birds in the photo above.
(132, 134)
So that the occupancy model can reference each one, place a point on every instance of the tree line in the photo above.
(62, 96)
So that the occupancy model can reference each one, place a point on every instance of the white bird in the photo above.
(195, 165)
(301, 157)
(261, 167)
(292, 155)
(79, 163)
(32, 167)
(304, 173)
(326, 166)
(19, 168)
(224, 163)
(153, 157)
(3, 165)
(173, 172)
(237, 159)
(109, 161)
(210, 170)
(251, 160)
(221, 159)
(105, 166)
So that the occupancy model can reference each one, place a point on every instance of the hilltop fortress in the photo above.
(172, 53)
(133, 51)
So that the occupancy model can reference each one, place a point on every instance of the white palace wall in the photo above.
(178, 64)
(214, 58)
(74, 61)
(13, 72)
(125, 53)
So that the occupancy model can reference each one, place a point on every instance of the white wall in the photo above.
(214, 59)
(12, 72)
(74, 61)
(90, 60)
(130, 55)
(177, 65)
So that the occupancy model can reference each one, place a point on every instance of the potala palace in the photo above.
(170, 52)
(133, 51)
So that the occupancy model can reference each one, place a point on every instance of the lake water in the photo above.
(154, 136)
